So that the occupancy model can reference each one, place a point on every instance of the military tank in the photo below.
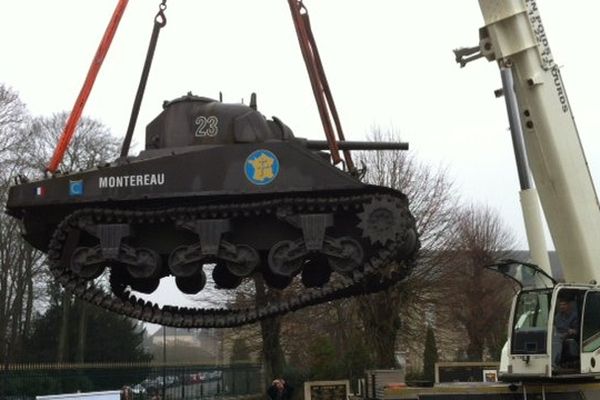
(218, 188)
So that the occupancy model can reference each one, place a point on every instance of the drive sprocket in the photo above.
(382, 221)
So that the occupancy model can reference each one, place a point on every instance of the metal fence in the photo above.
(143, 381)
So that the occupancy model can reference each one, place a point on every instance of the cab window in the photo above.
(531, 322)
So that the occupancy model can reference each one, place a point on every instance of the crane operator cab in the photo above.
(554, 328)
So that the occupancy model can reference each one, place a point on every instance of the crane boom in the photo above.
(514, 36)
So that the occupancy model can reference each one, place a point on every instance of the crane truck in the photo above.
(537, 361)
(514, 37)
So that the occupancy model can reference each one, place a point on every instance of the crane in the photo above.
(514, 37)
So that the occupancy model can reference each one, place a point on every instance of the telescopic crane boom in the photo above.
(514, 36)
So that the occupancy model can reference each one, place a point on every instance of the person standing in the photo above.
(126, 393)
(279, 390)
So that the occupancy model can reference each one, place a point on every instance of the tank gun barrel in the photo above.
(357, 145)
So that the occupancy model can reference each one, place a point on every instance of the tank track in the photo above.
(386, 268)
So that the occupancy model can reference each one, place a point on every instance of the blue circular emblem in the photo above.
(261, 167)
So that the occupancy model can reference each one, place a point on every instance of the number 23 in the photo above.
(207, 126)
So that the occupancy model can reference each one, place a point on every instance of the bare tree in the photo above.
(255, 292)
(282, 341)
(273, 357)
(20, 266)
(26, 144)
(336, 324)
(28, 149)
(478, 300)
(19, 263)
(92, 143)
(14, 121)
(397, 314)
(263, 337)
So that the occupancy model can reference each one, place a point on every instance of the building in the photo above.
(186, 345)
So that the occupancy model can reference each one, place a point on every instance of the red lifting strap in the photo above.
(67, 134)
(318, 80)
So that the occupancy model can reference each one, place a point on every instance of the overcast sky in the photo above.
(389, 63)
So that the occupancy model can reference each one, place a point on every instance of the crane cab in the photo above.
(554, 328)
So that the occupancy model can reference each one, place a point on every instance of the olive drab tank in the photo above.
(219, 188)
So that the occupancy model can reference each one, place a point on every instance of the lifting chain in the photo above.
(160, 20)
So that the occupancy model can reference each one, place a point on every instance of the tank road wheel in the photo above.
(182, 264)
(223, 278)
(381, 221)
(316, 271)
(276, 281)
(241, 260)
(146, 265)
(87, 262)
(191, 284)
(146, 286)
(344, 254)
(409, 246)
(119, 279)
(286, 257)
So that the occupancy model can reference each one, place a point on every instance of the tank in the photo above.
(219, 189)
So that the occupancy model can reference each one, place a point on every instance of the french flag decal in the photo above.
(40, 191)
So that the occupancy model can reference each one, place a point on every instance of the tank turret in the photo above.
(193, 120)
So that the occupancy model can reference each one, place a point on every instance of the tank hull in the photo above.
(274, 211)
(172, 177)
